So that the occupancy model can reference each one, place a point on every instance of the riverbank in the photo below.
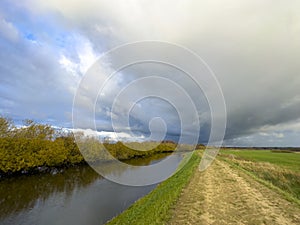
(155, 207)
(38, 148)
(227, 192)
(11, 167)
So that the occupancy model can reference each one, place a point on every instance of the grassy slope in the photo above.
(281, 170)
(155, 207)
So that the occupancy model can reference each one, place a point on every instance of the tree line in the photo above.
(33, 146)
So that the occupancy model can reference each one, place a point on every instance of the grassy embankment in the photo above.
(155, 208)
(37, 147)
(277, 169)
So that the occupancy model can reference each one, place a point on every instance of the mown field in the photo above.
(279, 168)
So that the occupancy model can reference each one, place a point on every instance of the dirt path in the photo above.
(224, 195)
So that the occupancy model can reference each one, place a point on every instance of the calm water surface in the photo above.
(78, 196)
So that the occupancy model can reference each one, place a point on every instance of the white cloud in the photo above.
(8, 30)
(252, 46)
(110, 135)
(86, 55)
(68, 65)
(279, 135)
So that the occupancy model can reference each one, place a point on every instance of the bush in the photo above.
(36, 145)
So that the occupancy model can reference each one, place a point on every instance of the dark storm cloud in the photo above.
(252, 46)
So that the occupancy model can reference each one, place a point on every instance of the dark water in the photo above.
(76, 196)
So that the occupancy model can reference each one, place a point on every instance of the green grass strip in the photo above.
(155, 208)
(281, 158)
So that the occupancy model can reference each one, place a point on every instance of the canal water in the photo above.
(77, 196)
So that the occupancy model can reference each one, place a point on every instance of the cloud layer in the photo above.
(252, 47)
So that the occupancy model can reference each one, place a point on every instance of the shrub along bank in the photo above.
(37, 147)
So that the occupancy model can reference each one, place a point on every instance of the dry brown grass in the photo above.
(285, 179)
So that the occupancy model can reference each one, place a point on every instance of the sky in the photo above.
(252, 47)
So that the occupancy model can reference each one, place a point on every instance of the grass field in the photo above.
(286, 160)
(281, 169)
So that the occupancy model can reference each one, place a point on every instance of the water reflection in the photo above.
(76, 196)
(21, 193)
(140, 175)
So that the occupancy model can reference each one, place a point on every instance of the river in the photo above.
(76, 196)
